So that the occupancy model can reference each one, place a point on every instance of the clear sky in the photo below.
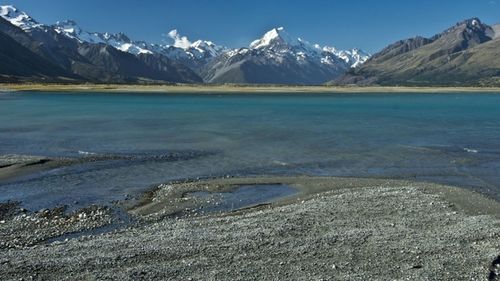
(369, 25)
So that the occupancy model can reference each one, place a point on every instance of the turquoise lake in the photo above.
(151, 139)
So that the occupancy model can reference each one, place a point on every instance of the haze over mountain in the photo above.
(465, 54)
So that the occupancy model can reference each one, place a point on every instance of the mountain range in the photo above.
(465, 54)
(66, 52)
(278, 58)
(77, 61)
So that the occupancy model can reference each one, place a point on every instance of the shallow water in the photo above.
(242, 196)
(445, 138)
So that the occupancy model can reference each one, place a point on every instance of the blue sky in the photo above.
(369, 25)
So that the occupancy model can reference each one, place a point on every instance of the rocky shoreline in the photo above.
(333, 229)
(20, 228)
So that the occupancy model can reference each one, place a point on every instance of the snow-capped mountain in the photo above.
(91, 56)
(277, 39)
(277, 42)
(354, 57)
(278, 57)
(193, 54)
(18, 18)
(120, 41)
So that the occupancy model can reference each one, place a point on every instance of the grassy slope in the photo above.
(468, 67)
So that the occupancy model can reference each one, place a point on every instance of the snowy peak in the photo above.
(354, 57)
(277, 43)
(198, 49)
(69, 28)
(119, 40)
(358, 57)
(109, 37)
(275, 37)
(18, 18)
(184, 43)
(123, 43)
(208, 47)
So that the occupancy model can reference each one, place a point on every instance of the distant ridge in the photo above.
(467, 53)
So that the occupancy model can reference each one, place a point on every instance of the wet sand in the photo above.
(332, 229)
(12, 166)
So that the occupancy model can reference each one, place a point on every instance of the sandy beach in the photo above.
(235, 89)
(332, 229)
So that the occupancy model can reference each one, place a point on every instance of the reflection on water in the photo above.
(446, 138)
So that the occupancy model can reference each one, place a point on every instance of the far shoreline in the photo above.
(236, 89)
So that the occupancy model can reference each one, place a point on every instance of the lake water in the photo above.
(148, 139)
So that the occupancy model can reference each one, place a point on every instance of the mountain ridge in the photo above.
(88, 61)
(466, 53)
(200, 54)
(277, 57)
